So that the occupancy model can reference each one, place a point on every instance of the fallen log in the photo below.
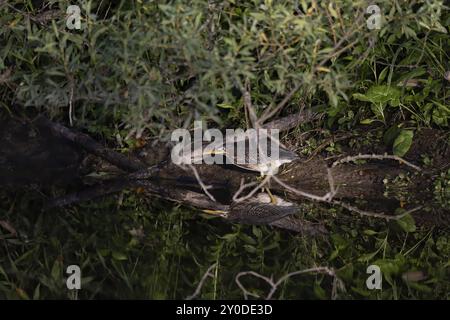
(171, 182)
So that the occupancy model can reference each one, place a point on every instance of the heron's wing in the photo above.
(250, 163)
(259, 213)
(300, 225)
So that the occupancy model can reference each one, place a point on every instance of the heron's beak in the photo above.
(221, 213)
(210, 152)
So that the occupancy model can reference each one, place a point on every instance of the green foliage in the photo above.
(407, 223)
(403, 142)
(442, 189)
(155, 65)
(143, 68)
(381, 95)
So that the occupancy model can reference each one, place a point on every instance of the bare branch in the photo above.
(337, 50)
(255, 274)
(200, 182)
(324, 270)
(333, 190)
(71, 93)
(269, 113)
(325, 198)
(251, 193)
(374, 156)
(274, 285)
(202, 281)
(242, 187)
(375, 214)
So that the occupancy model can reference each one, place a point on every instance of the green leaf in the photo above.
(390, 135)
(119, 256)
(225, 106)
(257, 232)
(411, 75)
(56, 270)
(370, 232)
(389, 268)
(407, 223)
(361, 97)
(37, 292)
(383, 74)
(346, 273)
(249, 248)
(247, 239)
(420, 287)
(367, 257)
(380, 94)
(441, 114)
(367, 121)
(403, 142)
(229, 237)
(319, 292)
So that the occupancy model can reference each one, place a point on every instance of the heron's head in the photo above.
(287, 156)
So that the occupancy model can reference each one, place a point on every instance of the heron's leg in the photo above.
(273, 200)
(266, 189)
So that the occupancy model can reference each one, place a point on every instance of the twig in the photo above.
(251, 193)
(255, 274)
(375, 156)
(242, 187)
(337, 50)
(200, 182)
(336, 53)
(330, 195)
(270, 113)
(375, 214)
(8, 227)
(325, 198)
(274, 285)
(325, 270)
(72, 89)
(202, 281)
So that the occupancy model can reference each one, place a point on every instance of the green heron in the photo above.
(257, 161)
(266, 162)
(252, 158)
(265, 165)
(258, 210)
